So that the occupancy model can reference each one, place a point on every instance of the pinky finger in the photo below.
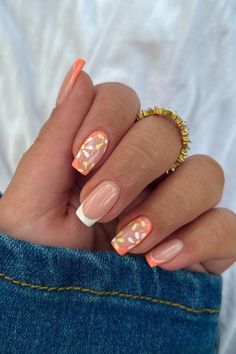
(209, 240)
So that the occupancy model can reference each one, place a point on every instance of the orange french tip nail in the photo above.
(121, 251)
(150, 261)
(90, 152)
(132, 234)
(75, 163)
(77, 68)
(67, 85)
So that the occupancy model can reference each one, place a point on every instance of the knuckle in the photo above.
(145, 160)
(210, 163)
(223, 225)
(218, 231)
(108, 104)
(117, 85)
(176, 214)
(116, 92)
(130, 91)
(227, 216)
(211, 176)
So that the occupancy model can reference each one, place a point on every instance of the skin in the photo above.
(40, 202)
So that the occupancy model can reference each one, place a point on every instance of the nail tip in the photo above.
(83, 218)
(77, 68)
(79, 62)
(120, 252)
(76, 166)
(84, 173)
(150, 261)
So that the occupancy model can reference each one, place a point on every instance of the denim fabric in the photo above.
(61, 300)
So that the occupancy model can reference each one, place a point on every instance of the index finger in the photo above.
(111, 114)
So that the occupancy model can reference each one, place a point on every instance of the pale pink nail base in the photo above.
(98, 202)
(90, 152)
(132, 234)
(164, 253)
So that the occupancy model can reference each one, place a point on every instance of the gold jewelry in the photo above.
(184, 131)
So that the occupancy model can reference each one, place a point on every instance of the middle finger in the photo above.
(144, 153)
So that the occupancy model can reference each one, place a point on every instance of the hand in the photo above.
(177, 223)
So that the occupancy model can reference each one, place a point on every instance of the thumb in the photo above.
(44, 174)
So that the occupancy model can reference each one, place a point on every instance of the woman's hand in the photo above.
(174, 221)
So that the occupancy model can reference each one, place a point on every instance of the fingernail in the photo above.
(98, 203)
(70, 80)
(132, 234)
(90, 152)
(164, 252)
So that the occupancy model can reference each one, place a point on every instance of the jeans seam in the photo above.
(116, 293)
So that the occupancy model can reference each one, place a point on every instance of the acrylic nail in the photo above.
(70, 80)
(164, 253)
(90, 152)
(98, 203)
(132, 234)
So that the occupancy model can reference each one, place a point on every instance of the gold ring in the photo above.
(184, 131)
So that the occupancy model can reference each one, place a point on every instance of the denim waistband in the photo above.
(106, 273)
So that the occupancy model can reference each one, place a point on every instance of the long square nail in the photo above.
(90, 152)
(132, 234)
(98, 202)
(164, 253)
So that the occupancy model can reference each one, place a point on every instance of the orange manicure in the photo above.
(72, 77)
(77, 68)
(132, 234)
(164, 253)
(90, 152)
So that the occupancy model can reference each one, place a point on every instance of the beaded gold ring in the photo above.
(184, 131)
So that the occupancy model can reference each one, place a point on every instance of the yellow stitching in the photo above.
(91, 291)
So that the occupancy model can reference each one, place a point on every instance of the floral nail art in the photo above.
(90, 152)
(132, 234)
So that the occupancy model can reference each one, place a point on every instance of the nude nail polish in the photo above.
(98, 202)
(132, 234)
(90, 152)
(70, 80)
(164, 253)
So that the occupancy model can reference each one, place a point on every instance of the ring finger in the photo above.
(193, 189)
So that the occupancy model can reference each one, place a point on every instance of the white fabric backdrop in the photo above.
(179, 54)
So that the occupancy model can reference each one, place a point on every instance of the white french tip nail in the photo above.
(83, 218)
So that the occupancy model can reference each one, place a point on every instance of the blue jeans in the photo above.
(62, 300)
